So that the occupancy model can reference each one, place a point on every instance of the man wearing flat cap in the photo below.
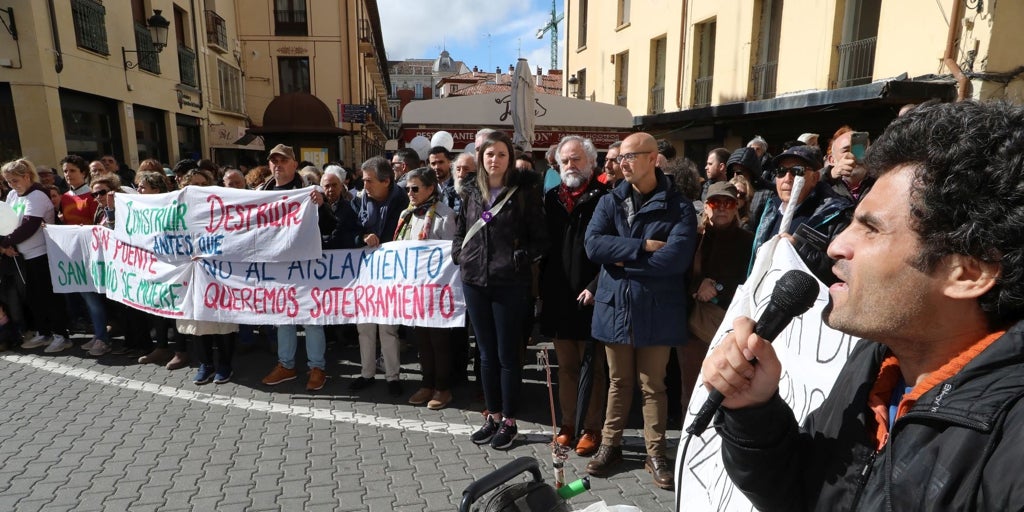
(819, 216)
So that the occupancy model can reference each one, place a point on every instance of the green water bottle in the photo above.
(575, 488)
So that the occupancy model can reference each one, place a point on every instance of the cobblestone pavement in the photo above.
(85, 434)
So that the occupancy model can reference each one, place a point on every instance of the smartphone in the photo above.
(858, 145)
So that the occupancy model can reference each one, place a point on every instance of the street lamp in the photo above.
(158, 32)
(574, 85)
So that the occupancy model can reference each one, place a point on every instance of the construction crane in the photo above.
(552, 26)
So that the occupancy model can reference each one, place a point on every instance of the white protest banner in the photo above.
(226, 223)
(89, 259)
(408, 283)
(811, 354)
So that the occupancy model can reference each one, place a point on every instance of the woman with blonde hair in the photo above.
(27, 246)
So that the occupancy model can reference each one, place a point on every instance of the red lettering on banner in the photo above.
(406, 302)
(100, 237)
(240, 217)
(134, 257)
(272, 300)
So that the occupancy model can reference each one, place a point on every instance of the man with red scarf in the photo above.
(568, 282)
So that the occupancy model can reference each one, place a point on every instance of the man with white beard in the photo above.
(465, 164)
(568, 283)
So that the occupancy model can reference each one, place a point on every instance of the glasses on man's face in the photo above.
(412, 189)
(796, 170)
(629, 157)
(397, 164)
(100, 193)
(725, 203)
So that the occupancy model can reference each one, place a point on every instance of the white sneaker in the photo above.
(36, 341)
(88, 346)
(99, 349)
(59, 344)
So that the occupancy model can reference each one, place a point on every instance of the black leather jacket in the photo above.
(958, 448)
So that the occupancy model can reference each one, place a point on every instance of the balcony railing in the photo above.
(187, 66)
(658, 99)
(702, 91)
(149, 59)
(90, 25)
(763, 77)
(856, 62)
(216, 30)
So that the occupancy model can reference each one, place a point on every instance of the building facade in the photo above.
(79, 77)
(316, 76)
(704, 73)
(415, 80)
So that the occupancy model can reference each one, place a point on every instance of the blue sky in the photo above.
(420, 28)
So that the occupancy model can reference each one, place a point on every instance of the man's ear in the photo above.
(968, 277)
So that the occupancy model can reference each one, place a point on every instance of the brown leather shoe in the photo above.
(565, 435)
(157, 356)
(606, 459)
(180, 360)
(317, 379)
(661, 469)
(421, 396)
(588, 443)
(440, 400)
(278, 375)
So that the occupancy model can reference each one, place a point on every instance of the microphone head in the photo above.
(795, 293)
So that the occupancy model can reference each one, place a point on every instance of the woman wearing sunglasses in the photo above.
(428, 218)
(719, 266)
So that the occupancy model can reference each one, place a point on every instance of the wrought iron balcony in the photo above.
(89, 18)
(187, 66)
(702, 91)
(763, 77)
(856, 62)
(658, 99)
(216, 30)
(149, 56)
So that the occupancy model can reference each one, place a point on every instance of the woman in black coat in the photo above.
(499, 234)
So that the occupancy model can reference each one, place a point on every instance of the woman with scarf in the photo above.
(428, 218)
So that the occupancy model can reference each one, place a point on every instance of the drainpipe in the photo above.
(962, 84)
(58, 66)
(195, 40)
(682, 52)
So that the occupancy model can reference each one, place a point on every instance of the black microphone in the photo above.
(794, 294)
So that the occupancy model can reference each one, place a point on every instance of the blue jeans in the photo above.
(497, 315)
(97, 314)
(287, 342)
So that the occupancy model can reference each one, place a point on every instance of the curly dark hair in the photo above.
(968, 192)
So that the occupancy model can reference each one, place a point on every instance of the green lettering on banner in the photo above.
(150, 220)
(103, 276)
(72, 273)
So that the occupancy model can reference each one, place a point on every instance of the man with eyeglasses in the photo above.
(819, 216)
(403, 161)
(643, 235)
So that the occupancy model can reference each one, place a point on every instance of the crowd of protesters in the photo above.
(634, 258)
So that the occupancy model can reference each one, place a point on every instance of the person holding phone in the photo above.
(847, 174)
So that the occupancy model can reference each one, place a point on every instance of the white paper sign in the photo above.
(409, 283)
(811, 354)
(227, 223)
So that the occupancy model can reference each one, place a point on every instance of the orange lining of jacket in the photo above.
(889, 376)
